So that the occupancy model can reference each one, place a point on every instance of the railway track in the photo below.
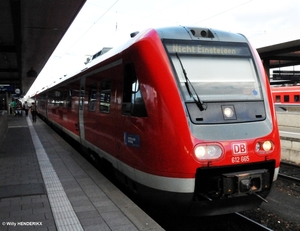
(290, 172)
(249, 223)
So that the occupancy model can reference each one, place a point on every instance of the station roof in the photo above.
(30, 31)
(281, 55)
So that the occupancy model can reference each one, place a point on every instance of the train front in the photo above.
(231, 118)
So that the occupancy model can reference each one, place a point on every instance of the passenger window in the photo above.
(57, 99)
(105, 94)
(92, 99)
(133, 102)
(67, 96)
(286, 98)
(296, 98)
(278, 98)
(69, 99)
(81, 98)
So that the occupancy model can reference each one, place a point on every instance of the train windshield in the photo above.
(217, 71)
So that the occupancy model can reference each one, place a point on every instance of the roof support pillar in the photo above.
(266, 64)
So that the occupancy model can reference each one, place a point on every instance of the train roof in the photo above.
(286, 88)
(199, 33)
(177, 32)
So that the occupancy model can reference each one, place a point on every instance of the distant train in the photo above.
(286, 95)
(184, 115)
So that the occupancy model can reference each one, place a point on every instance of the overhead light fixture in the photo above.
(31, 73)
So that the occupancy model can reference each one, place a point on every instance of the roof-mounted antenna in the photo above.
(133, 34)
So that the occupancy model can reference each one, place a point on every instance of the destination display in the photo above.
(201, 49)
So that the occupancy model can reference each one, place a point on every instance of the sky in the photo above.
(109, 23)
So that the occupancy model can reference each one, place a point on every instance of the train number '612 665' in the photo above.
(240, 159)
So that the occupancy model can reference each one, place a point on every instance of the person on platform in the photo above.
(33, 110)
(13, 106)
(19, 109)
(26, 108)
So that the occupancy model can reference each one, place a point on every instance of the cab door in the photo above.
(132, 122)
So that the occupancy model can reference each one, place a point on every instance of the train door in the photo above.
(81, 110)
(132, 122)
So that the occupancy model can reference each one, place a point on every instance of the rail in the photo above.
(290, 172)
(253, 225)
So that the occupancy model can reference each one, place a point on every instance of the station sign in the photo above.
(6, 87)
(286, 75)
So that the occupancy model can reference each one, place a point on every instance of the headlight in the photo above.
(208, 152)
(229, 112)
(264, 147)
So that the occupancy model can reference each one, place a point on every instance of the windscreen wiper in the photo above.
(188, 83)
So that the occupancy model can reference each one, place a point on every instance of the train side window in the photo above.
(92, 99)
(57, 98)
(81, 98)
(133, 102)
(286, 98)
(65, 96)
(60, 99)
(105, 94)
(278, 98)
(69, 99)
(296, 98)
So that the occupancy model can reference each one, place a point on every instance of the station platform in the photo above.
(45, 184)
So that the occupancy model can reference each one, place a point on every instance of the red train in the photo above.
(184, 115)
(286, 95)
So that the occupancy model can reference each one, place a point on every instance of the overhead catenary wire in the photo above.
(223, 12)
(91, 27)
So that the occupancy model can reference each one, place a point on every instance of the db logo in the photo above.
(239, 148)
